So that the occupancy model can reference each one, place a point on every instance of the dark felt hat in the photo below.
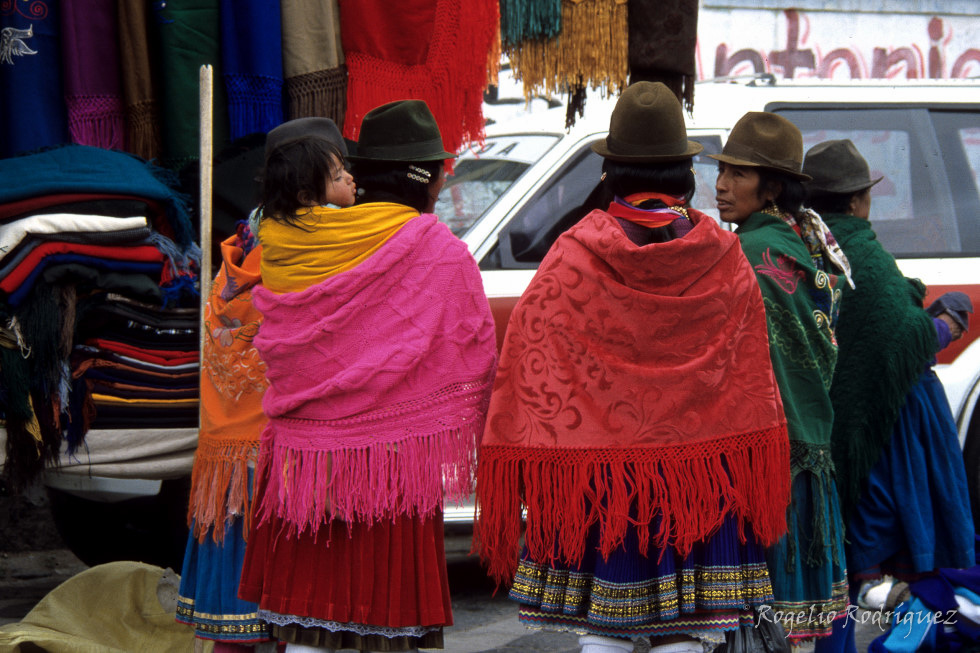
(404, 130)
(765, 140)
(304, 127)
(647, 126)
(837, 167)
(957, 304)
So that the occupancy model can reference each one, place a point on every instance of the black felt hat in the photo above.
(837, 167)
(404, 130)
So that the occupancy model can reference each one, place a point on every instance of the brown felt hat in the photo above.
(404, 130)
(647, 126)
(765, 140)
(837, 167)
(292, 130)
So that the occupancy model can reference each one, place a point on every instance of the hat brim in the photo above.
(735, 161)
(602, 149)
(841, 190)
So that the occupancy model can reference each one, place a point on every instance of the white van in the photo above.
(511, 197)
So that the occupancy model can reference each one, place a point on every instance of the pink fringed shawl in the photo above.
(379, 380)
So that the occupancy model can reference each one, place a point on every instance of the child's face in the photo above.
(340, 188)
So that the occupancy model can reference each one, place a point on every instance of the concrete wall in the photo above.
(857, 39)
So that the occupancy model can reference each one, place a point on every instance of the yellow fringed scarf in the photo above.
(326, 242)
(591, 50)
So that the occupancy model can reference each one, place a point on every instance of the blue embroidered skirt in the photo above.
(208, 598)
(914, 515)
(807, 566)
(711, 591)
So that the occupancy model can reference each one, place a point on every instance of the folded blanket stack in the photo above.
(98, 302)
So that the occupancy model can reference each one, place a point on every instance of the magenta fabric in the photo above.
(379, 379)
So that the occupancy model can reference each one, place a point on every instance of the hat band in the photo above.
(403, 152)
(619, 147)
(746, 152)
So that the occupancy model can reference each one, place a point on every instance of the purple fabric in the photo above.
(93, 87)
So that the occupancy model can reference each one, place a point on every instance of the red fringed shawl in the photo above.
(432, 50)
(634, 385)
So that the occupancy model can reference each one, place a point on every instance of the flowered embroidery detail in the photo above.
(784, 272)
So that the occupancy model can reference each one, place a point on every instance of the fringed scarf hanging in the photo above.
(431, 50)
(189, 35)
(251, 58)
(232, 384)
(313, 60)
(138, 75)
(523, 20)
(589, 52)
(663, 37)
(32, 112)
(93, 89)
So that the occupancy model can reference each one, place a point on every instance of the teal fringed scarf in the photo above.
(522, 20)
(886, 339)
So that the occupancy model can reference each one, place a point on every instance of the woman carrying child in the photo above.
(380, 355)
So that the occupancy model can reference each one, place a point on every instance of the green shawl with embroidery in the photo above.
(886, 340)
(801, 307)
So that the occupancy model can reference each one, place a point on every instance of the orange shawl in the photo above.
(232, 385)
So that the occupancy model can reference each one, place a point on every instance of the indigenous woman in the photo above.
(232, 385)
(380, 355)
(799, 268)
(895, 443)
(635, 416)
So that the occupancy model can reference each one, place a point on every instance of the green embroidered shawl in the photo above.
(886, 340)
(801, 306)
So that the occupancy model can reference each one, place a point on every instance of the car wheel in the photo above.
(147, 529)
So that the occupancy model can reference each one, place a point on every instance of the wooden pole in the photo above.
(206, 167)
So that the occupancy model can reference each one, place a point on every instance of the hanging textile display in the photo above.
(251, 57)
(139, 92)
(663, 36)
(589, 52)
(432, 50)
(189, 35)
(93, 90)
(313, 60)
(32, 114)
(522, 20)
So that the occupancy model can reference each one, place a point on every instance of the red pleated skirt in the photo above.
(390, 574)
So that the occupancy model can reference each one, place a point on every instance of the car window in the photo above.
(571, 193)
(912, 208)
(482, 173)
(958, 133)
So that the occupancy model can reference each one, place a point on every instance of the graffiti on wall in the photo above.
(841, 46)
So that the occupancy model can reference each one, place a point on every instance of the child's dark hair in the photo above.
(672, 178)
(791, 195)
(296, 175)
(396, 181)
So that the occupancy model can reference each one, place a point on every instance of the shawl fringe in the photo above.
(97, 120)
(817, 462)
(143, 119)
(219, 487)
(321, 93)
(522, 20)
(254, 104)
(685, 490)
(369, 483)
(592, 45)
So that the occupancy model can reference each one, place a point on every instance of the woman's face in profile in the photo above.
(737, 192)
